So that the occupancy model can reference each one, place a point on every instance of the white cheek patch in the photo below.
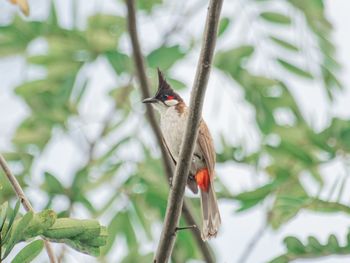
(159, 106)
(171, 102)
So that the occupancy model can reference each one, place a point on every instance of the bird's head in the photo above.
(165, 97)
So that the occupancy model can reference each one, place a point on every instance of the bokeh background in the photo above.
(74, 130)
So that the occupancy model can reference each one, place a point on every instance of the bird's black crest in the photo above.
(164, 89)
(162, 83)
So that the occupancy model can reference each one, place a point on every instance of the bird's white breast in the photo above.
(173, 127)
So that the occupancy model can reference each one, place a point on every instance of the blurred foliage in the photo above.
(312, 249)
(86, 236)
(137, 203)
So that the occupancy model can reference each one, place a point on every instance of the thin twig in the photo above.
(203, 246)
(175, 200)
(184, 228)
(145, 89)
(252, 243)
(24, 200)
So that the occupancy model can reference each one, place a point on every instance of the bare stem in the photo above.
(175, 200)
(24, 200)
(252, 243)
(145, 89)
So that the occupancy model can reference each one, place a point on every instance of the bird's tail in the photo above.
(210, 211)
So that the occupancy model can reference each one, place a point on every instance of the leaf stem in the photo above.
(24, 200)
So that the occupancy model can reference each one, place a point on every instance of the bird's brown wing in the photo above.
(166, 147)
(191, 182)
(207, 147)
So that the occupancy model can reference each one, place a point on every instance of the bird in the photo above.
(173, 118)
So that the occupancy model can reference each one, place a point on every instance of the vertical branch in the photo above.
(175, 199)
(144, 85)
(24, 200)
(145, 89)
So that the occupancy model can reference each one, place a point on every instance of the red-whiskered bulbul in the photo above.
(173, 117)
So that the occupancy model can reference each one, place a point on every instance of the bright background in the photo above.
(62, 156)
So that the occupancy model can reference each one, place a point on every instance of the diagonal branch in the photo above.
(175, 199)
(145, 89)
(24, 200)
(144, 85)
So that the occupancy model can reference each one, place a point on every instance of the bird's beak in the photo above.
(150, 100)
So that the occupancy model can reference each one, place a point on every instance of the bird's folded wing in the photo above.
(166, 147)
(207, 147)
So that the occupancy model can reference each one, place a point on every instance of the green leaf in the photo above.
(82, 247)
(100, 240)
(66, 228)
(114, 227)
(11, 217)
(29, 252)
(251, 198)
(52, 185)
(284, 43)
(92, 229)
(290, 198)
(314, 244)
(231, 60)
(40, 223)
(17, 232)
(104, 31)
(294, 245)
(120, 62)
(3, 214)
(176, 84)
(275, 17)
(313, 249)
(165, 56)
(224, 24)
(294, 69)
(120, 225)
(333, 243)
(147, 5)
(280, 259)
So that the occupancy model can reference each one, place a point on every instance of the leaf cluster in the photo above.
(86, 236)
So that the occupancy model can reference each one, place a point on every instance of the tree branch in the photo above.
(175, 199)
(24, 200)
(144, 85)
(252, 243)
(145, 89)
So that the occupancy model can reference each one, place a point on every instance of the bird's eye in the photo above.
(164, 97)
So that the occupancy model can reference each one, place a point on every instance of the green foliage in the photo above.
(164, 57)
(311, 249)
(283, 43)
(294, 69)
(275, 17)
(86, 236)
(137, 203)
(148, 5)
(29, 252)
(224, 25)
(297, 144)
